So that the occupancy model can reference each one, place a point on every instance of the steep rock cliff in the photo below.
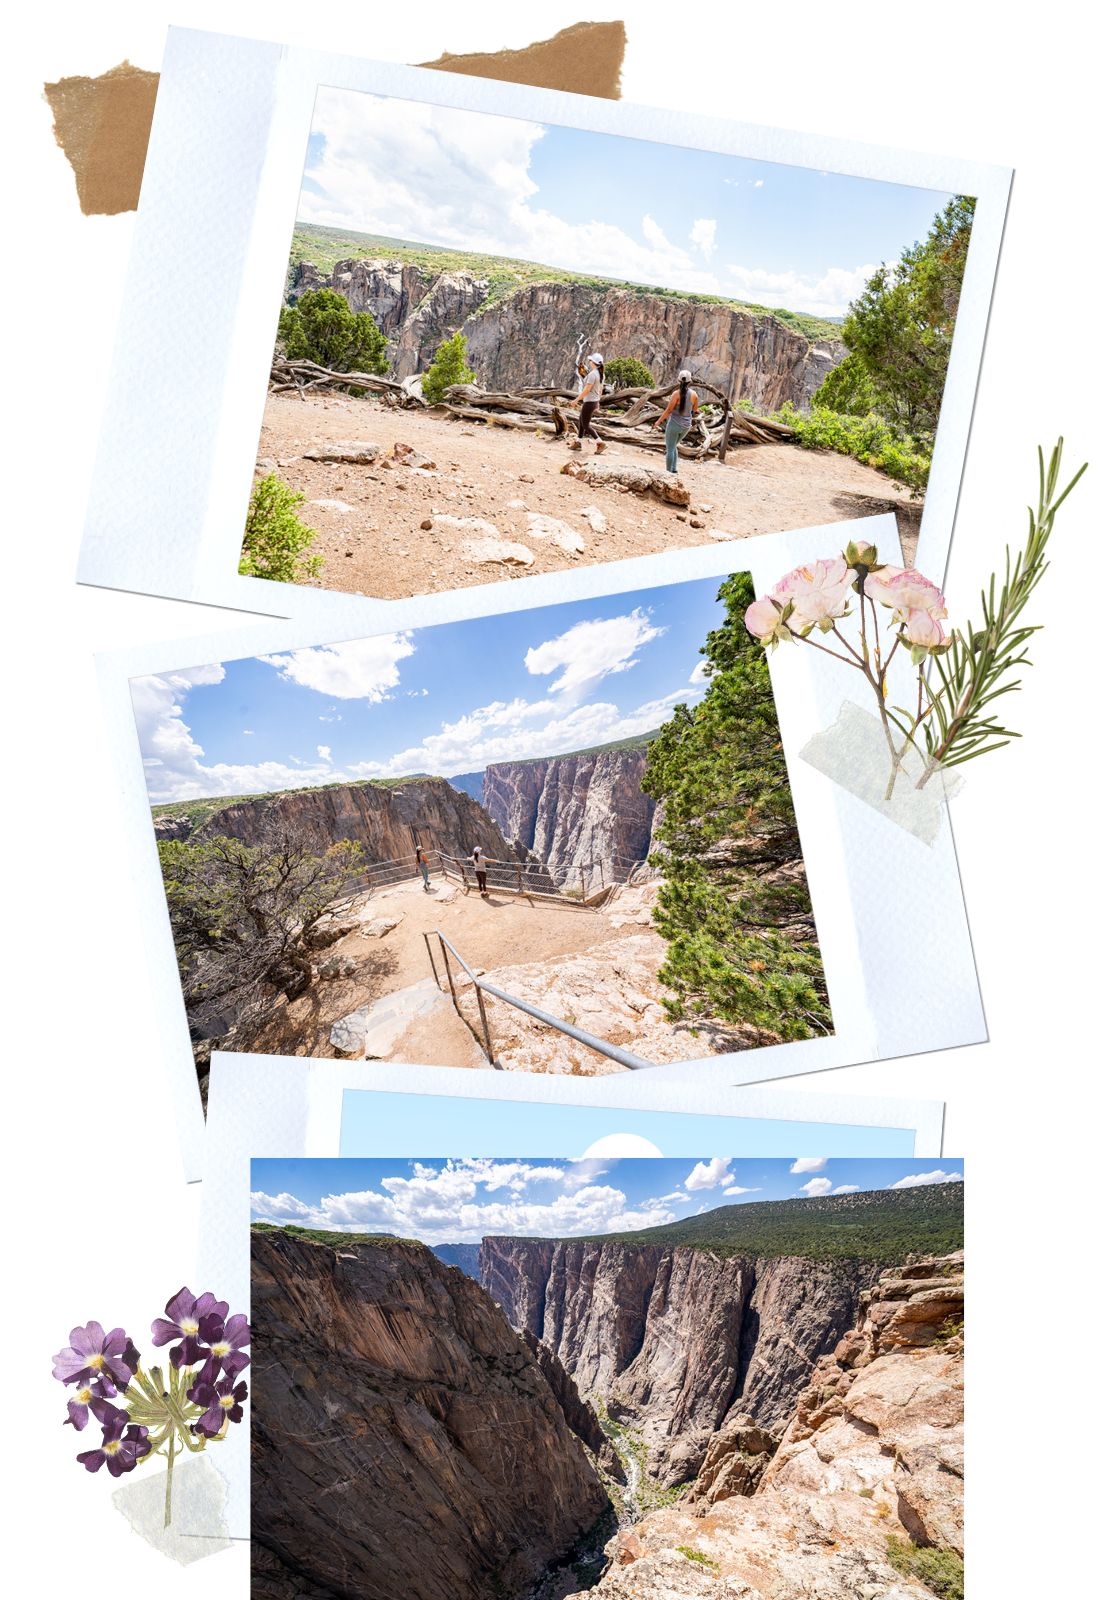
(871, 1460)
(405, 1440)
(677, 1340)
(387, 822)
(527, 338)
(573, 810)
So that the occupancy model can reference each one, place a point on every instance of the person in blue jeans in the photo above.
(678, 417)
(422, 865)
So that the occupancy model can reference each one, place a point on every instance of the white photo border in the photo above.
(890, 914)
(219, 199)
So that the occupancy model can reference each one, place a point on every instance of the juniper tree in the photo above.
(734, 906)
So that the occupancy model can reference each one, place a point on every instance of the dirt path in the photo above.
(489, 933)
(369, 520)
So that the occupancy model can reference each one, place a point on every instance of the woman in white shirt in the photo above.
(589, 402)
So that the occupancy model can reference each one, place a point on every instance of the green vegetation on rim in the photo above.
(199, 811)
(324, 247)
(882, 1225)
(334, 1239)
(939, 1570)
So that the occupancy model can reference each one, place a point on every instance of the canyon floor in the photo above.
(375, 997)
(368, 521)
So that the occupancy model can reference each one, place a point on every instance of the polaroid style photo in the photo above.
(456, 332)
(692, 1375)
(299, 1111)
(573, 840)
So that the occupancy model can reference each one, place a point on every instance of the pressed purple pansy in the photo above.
(92, 1354)
(221, 1401)
(224, 1341)
(122, 1447)
(186, 1313)
(88, 1397)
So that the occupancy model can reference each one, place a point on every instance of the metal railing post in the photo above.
(485, 1024)
(584, 891)
(450, 980)
(519, 878)
(431, 958)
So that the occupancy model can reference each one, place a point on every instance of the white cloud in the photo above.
(816, 1187)
(700, 673)
(466, 1199)
(709, 1174)
(325, 752)
(826, 296)
(588, 652)
(174, 768)
(460, 178)
(917, 1180)
(736, 1188)
(810, 1164)
(360, 669)
(847, 1188)
(703, 233)
(758, 183)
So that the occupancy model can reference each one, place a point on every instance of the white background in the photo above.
(99, 1223)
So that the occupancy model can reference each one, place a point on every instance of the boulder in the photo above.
(378, 927)
(634, 478)
(497, 552)
(596, 519)
(356, 452)
(403, 455)
(328, 931)
(558, 532)
(336, 967)
(375, 1030)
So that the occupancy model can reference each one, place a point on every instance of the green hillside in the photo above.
(324, 247)
(333, 1238)
(883, 1225)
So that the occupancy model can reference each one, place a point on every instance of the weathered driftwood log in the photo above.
(305, 375)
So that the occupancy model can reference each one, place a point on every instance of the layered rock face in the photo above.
(406, 1441)
(871, 1460)
(527, 338)
(574, 811)
(677, 1340)
(387, 822)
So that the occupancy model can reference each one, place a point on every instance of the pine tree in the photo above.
(322, 327)
(734, 907)
(448, 367)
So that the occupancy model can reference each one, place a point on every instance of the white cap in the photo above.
(684, 373)
(596, 356)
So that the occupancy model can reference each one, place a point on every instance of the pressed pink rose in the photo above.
(921, 627)
(763, 618)
(905, 592)
(817, 592)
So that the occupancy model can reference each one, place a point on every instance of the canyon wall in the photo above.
(527, 338)
(574, 809)
(387, 822)
(676, 1339)
(405, 1440)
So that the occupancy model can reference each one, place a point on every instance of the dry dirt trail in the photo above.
(368, 520)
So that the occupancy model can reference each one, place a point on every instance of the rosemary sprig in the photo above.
(958, 724)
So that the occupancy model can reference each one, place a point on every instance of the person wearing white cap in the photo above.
(678, 417)
(589, 402)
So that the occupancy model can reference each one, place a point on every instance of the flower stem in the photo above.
(168, 1485)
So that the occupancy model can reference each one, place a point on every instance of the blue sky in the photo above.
(444, 699)
(459, 1200)
(624, 208)
(407, 1124)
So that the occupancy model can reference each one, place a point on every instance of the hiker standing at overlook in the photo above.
(478, 859)
(589, 402)
(678, 417)
(422, 864)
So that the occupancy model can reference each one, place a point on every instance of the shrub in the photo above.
(274, 539)
(448, 367)
(322, 327)
(700, 1558)
(627, 373)
(939, 1570)
(867, 438)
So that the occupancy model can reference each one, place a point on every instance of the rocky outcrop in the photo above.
(675, 1340)
(735, 1463)
(405, 1440)
(387, 822)
(574, 810)
(526, 338)
(870, 1467)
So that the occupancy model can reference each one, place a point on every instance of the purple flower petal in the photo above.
(87, 1341)
(78, 1415)
(237, 1330)
(91, 1460)
(181, 1305)
(163, 1331)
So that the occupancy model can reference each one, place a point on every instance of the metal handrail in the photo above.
(613, 1051)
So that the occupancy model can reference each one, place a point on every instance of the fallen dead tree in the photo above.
(302, 376)
(626, 417)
